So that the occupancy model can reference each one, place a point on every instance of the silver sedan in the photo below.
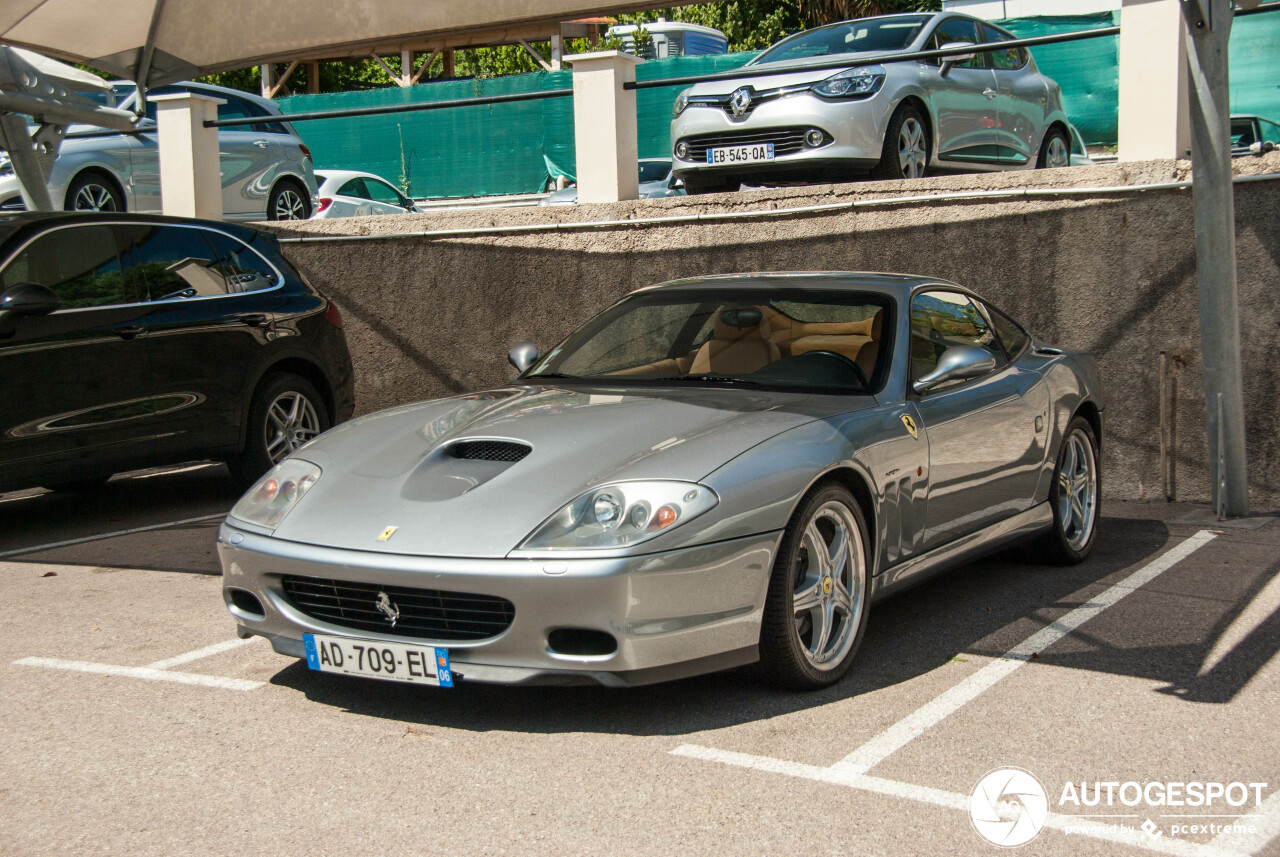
(983, 111)
(710, 473)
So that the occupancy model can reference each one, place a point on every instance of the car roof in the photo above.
(28, 222)
(897, 284)
(344, 175)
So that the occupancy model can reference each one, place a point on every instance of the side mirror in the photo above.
(957, 363)
(522, 355)
(29, 299)
(948, 62)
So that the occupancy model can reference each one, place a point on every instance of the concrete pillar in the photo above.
(604, 126)
(1154, 114)
(557, 51)
(190, 165)
(313, 77)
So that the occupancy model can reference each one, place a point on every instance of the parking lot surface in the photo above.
(133, 721)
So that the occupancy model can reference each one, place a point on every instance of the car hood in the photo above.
(397, 468)
(794, 75)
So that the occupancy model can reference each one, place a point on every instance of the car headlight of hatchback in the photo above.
(276, 494)
(621, 515)
(853, 83)
(682, 101)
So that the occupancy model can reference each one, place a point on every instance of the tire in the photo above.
(285, 413)
(697, 185)
(1055, 151)
(905, 154)
(1075, 514)
(78, 486)
(288, 201)
(792, 653)
(93, 191)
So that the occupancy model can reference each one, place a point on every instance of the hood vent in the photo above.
(489, 450)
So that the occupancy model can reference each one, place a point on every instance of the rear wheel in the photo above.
(1075, 497)
(816, 609)
(905, 154)
(1055, 151)
(92, 191)
(286, 412)
(288, 202)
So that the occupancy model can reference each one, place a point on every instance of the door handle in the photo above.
(261, 144)
(989, 93)
(253, 319)
(129, 331)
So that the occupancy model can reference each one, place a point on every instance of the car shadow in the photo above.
(984, 608)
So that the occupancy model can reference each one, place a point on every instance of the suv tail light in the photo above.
(306, 151)
(333, 316)
(325, 202)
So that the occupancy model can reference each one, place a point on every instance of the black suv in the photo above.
(130, 341)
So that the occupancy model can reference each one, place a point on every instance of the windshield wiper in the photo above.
(710, 379)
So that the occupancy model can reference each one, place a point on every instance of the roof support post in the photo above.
(1153, 81)
(1208, 28)
(604, 126)
(190, 165)
(31, 173)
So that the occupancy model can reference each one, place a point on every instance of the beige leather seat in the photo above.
(859, 341)
(739, 344)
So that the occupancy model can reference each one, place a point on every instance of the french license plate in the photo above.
(375, 659)
(740, 154)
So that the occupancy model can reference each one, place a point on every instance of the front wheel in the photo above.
(816, 610)
(91, 191)
(288, 202)
(286, 413)
(1075, 497)
(1055, 151)
(905, 154)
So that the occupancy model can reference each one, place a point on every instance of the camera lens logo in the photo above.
(1008, 807)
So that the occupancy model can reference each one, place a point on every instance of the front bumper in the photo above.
(856, 129)
(673, 614)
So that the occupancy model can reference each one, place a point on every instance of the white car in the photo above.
(348, 193)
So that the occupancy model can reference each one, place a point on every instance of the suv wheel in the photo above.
(288, 202)
(93, 192)
(286, 412)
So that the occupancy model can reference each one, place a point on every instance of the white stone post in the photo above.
(190, 165)
(1154, 111)
(604, 126)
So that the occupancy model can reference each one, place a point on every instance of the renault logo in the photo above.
(387, 608)
(740, 101)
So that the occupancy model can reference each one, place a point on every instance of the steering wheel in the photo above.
(857, 370)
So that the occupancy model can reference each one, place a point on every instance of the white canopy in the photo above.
(160, 41)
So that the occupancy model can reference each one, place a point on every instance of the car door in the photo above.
(352, 199)
(985, 446)
(211, 315)
(385, 198)
(1020, 101)
(963, 102)
(78, 388)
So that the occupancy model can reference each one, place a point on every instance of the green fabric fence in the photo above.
(512, 148)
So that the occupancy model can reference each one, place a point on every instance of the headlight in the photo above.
(621, 515)
(276, 494)
(682, 101)
(854, 83)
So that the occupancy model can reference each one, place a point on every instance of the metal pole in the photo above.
(1208, 29)
(26, 164)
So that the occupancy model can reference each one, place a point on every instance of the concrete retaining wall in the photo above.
(1114, 274)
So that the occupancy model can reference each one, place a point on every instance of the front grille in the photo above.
(786, 141)
(490, 450)
(430, 614)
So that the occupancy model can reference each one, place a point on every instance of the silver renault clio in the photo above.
(982, 111)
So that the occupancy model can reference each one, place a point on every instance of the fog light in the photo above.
(815, 138)
(682, 150)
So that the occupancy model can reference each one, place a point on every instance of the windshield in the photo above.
(654, 171)
(803, 340)
(892, 33)
(1242, 132)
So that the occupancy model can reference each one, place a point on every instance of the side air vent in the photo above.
(489, 450)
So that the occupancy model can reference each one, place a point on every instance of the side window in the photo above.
(1270, 132)
(355, 188)
(173, 262)
(941, 319)
(1011, 334)
(383, 192)
(243, 269)
(956, 30)
(1009, 59)
(79, 264)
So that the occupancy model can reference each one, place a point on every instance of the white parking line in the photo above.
(147, 673)
(836, 775)
(101, 536)
(1266, 827)
(905, 730)
(207, 651)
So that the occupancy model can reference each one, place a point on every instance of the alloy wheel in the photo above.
(289, 206)
(291, 422)
(94, 197)
(1077, 491)
(1058, 154)
(912, 157)
(828, 586)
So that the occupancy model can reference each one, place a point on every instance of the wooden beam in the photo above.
(391, 74)
(283, 79)
(449, 70)
(313, 77)
(425, 68)
(546, 66)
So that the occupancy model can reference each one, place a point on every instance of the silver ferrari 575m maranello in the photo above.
(711, 472)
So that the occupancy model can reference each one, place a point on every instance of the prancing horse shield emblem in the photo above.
(388, 608)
